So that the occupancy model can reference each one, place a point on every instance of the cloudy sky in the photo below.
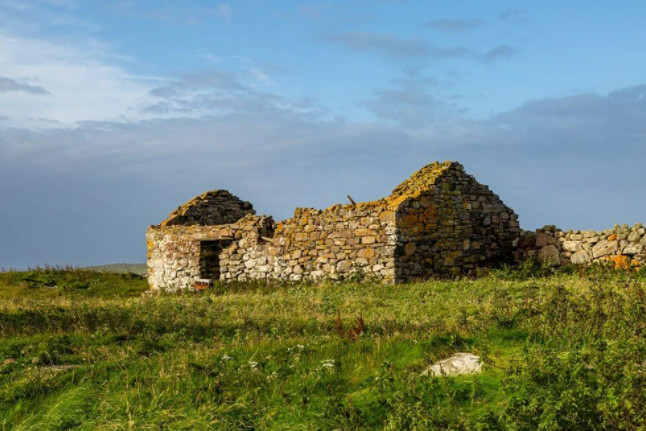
(112, 113)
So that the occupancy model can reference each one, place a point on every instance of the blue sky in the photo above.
(112, 113)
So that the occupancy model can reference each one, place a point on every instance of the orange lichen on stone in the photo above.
(422, 180)
(612, 237)
(621, 261)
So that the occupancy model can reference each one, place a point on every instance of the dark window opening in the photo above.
(210, 258)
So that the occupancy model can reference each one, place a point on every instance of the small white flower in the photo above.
(226, 357)
(300, 346)
(328, 363)
(253, 364)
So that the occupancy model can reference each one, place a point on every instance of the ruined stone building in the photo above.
(440, 221)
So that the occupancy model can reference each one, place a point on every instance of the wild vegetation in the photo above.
(561, 350)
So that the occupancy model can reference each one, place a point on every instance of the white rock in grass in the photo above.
(460, 363)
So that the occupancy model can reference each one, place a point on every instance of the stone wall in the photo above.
(440, 221)
(452, 227)
(174, 252)
(334, 243)
(211, 208)
(621, 246)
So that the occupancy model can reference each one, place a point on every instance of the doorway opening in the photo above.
(210, 258)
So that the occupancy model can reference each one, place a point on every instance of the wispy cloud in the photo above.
(7, 85)
(311, 12)
(173, 13)
(410, 105)
(510, 14)
(381, 43)
(396, 48)
(225, 10)
(217, 92)
(497, 53)
(454, 25)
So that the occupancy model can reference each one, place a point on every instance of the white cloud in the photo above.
(87, 84)
(83, 84)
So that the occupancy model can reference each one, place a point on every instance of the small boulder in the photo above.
(460, 363)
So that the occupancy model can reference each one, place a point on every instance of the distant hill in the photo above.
(121, 268)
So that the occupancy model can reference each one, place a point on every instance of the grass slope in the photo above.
(121, 268)
(563, 351)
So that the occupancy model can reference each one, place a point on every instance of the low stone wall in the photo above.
(622, 245)
(334, 243)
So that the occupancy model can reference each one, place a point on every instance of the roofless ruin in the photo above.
(439, 221)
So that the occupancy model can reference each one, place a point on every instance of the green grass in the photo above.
(561, 351)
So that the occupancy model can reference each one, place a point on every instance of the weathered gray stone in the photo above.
(581, 257)
(604, 248)
(344, 266)
(571, 246)
(458, 364)
(549, 254)
(632, 249)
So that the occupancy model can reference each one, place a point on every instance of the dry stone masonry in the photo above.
(623, 247)
(439, 222)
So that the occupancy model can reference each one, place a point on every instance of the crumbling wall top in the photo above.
(214, 207)
(423, 180)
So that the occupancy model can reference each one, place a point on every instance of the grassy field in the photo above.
(121, 268)
(85, 350)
